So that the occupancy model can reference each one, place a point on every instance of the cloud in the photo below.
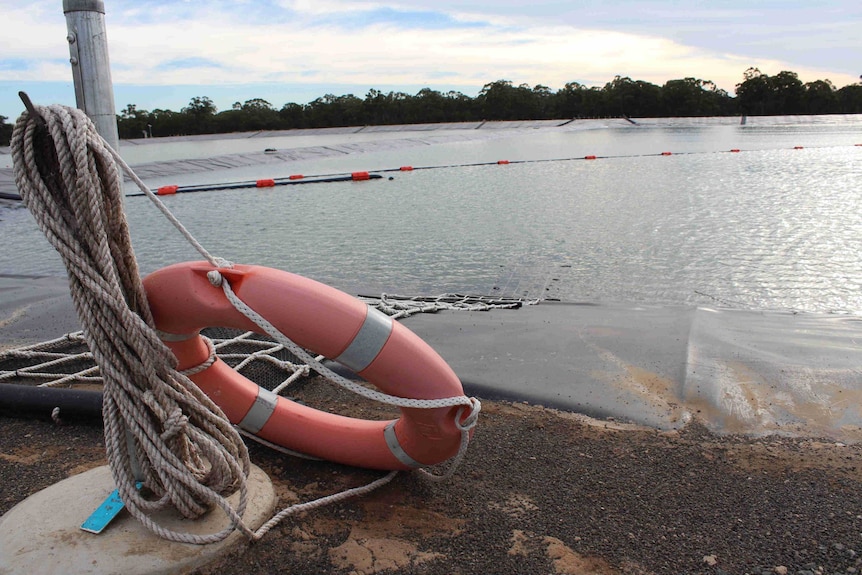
(390, 53)
(16, 64)
(368, 43)
(189, 63)
(32, 31)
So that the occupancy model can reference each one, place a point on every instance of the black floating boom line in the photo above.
(254, 184)
(346, 177)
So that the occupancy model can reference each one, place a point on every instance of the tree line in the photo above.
(758, 94)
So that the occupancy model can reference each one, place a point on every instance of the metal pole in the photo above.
(91, 68)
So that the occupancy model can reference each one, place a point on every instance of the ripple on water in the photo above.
(772, 228)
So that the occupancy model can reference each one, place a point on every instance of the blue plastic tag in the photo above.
(105, 513)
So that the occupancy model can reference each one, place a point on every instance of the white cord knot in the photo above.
(471, 420)
(215, 278)
(175, 424)
(211, 358)
(222, 263)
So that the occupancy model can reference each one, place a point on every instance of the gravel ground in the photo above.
(540, 492)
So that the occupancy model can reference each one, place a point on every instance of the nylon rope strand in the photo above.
(465, 425)
(159, 426)
(217, 280)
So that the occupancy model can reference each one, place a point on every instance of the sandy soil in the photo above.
(540, 492)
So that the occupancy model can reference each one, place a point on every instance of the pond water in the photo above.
(771, 227)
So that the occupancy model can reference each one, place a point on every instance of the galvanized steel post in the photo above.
(91, 68)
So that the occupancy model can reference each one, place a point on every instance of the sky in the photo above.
(163, 53)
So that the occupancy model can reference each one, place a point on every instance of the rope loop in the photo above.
(472, 418)
(175, 424)
(215, 278)
(211, 359)
(327, 373)
(474, 405)
(222, 263)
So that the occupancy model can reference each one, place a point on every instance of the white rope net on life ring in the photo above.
(67, 361)
(160, 429)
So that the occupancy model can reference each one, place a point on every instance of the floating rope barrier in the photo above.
(335, 177)
(597, 157)
(293, 180)
(346, 177)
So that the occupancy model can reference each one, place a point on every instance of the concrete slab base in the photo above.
(42, 535)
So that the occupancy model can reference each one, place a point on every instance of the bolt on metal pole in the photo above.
(91, 68)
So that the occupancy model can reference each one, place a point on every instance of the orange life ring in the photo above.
(325, 321)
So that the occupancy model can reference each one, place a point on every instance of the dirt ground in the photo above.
(540, 491)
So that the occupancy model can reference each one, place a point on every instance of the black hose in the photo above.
(30, 400)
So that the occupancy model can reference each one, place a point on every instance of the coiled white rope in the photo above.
(159, 427)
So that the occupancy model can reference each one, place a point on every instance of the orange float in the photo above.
(325, 321)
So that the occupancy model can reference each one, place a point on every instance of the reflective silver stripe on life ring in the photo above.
(396, 449)
(368, 342)
(168, 336)
(260, 412)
